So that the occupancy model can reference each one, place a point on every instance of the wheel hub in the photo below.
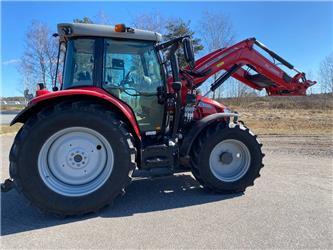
(226, 158)
(78, 158)
(75, 161)
(229, 160)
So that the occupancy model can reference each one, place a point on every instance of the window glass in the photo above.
(132, 74)
(80, 63)
(62, 53)
(133, 65)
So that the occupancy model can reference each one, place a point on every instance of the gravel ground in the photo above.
(7, 116)
(290, 206)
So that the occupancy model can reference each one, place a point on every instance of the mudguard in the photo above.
(198, 127)
(97, 94)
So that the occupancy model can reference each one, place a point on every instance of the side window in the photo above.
(132, 74)
(59, 76)
(79, 70)
(131, 67)
(122, 70)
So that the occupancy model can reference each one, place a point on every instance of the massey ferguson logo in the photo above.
(205, 105)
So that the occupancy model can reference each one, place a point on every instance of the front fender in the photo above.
(96, 94)
(198, 127)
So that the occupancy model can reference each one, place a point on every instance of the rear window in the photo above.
(79, 63)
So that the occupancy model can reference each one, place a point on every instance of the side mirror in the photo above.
(188, 52)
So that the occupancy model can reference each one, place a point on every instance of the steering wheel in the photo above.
(131, 91)
(127, 79)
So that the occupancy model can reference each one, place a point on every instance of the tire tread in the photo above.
(199, 145)
(65, 106)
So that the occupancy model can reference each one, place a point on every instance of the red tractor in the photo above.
(124, 103)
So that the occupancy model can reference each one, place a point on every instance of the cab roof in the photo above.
(66, 30)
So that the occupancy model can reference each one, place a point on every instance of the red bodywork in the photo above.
(43, 95)
(207, 107)
(244, 54)
(241, 53)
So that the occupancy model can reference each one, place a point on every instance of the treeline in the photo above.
(213, 31)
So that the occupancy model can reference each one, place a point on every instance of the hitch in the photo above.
(7, 186)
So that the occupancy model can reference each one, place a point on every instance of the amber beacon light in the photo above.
(120, 28)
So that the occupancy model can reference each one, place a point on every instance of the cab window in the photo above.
(79, 63)
(132, 74)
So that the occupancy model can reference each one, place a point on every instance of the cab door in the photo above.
(132, 73)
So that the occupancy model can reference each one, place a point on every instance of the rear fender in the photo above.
(95, 94)
(200, 126)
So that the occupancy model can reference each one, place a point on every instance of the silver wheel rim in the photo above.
(75, 161)
(229, 160)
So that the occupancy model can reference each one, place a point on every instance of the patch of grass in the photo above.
(6, 129)
(288, 121)
(12, 108)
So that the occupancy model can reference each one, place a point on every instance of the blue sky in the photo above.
(302, 32)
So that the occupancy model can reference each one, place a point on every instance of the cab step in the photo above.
(158, 156)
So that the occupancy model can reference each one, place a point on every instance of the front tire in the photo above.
(226, 159)
(73, 158)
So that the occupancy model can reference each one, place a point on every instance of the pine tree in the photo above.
(179, 28)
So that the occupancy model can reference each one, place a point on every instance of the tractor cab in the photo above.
(122, 61)
(129, 64)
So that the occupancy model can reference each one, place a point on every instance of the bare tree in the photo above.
(152, 21)
(326, 74)
(102, 18)
(39, 59)
(216, 32)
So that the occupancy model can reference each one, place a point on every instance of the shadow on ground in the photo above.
(144, 195)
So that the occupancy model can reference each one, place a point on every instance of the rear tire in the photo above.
(226, 159)
(55, 163)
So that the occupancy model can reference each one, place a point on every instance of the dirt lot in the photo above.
(290, 206)
(300, 115)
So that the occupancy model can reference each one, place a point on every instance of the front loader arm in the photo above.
(269, 76)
